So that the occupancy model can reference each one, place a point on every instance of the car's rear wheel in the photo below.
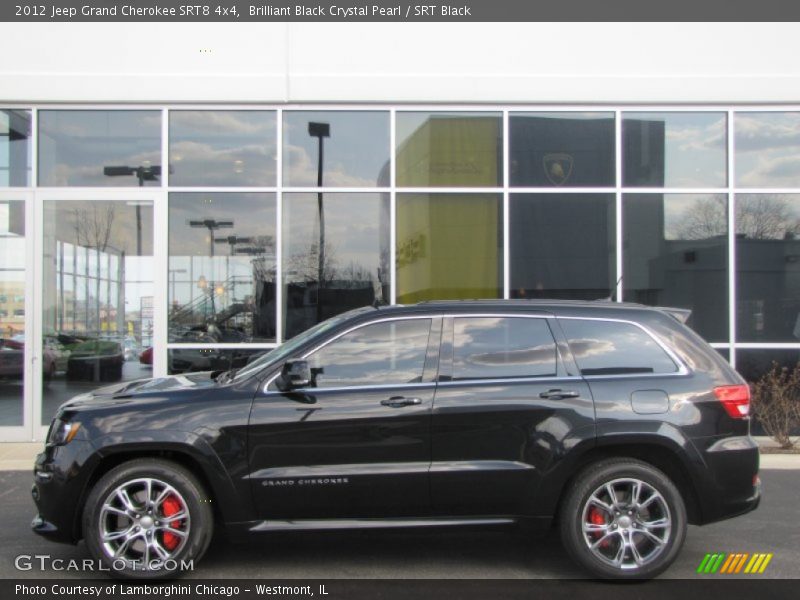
(148, 518)
(623, 519)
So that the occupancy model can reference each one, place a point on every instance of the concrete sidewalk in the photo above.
(19, 456)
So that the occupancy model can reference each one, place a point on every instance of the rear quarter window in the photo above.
(615, 348)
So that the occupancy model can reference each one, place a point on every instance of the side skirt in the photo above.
(334, 524)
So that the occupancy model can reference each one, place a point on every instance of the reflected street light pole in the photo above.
(320, 131)
(143, 173)
(212, 225)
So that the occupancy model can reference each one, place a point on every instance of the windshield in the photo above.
(289, 346)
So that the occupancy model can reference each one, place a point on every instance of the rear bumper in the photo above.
(730, 485)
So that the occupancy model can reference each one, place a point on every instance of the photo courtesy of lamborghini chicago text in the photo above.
(341, 299)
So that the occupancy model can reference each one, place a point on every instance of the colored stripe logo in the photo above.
(734, 562)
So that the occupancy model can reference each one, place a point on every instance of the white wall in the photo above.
(400, 62)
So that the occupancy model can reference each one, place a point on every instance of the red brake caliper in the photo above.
(597, 517)
(171, 506)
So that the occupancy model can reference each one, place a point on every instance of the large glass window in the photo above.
(767, 149)
(100, 148)
(449, 149)
(562, 246)
(386, 353)
(449, 246)
(222, 267)
(222, 148)
(562, 149)
(97, 314)
(768, 268)
(336, 148)
(678, 149)
(614, 348)
(15, 132)
(12, 311)
(335, 255)
(496, 347)
(190, 360)
(676, 254)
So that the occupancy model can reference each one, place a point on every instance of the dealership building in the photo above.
(183, 197)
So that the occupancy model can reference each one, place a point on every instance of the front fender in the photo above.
(233, 501)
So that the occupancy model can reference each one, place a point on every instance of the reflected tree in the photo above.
(759, 217)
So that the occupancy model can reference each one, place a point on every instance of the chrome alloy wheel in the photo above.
(142, 522)
(626, 523)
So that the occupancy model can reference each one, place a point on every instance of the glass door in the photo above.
(98, 316)
(16, 326)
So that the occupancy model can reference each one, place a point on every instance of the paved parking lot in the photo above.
(468, 554)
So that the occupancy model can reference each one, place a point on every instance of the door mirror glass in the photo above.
(294, 374)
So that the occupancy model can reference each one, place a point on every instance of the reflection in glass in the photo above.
(562, 149)
(753, 365)
(767, 149)
(490, 348)
(449, 246)
(221, 267)
(355, 148)
(768, 268)
(15, 148)
(191, 360)
(12, 311)
(222, 147)
(99, 148)
(679, 149)
(380, 354)
(562, 246)
(449, 149)
(97, 314)
(606, 348)
(675, 249)
(342, 265)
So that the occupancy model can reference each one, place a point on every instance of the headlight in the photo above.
(62, 432)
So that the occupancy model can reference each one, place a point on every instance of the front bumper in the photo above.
(59, 480)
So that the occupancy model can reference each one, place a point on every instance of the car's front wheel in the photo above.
(148, 518)
(623, 519)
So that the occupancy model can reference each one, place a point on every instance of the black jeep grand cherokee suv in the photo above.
(614, 420)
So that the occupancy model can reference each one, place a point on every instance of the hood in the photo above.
(140, 386)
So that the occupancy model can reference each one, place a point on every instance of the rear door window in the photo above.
(615, 348)
(502, 347)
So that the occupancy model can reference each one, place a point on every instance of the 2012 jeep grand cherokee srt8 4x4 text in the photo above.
(613, 421)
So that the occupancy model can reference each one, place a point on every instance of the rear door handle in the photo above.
(398, 401)
(558, 394)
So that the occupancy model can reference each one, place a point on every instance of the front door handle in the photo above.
(398, 401)
(558, 394)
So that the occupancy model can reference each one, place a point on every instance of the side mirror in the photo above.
(294, 374)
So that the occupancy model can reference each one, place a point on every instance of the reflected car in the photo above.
(12, 358)
(146, 357)
(130, 348)
(96, 360)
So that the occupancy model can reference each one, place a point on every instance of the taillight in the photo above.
(735, 399)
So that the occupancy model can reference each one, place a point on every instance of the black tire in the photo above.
(598, 551)
(192, 497)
